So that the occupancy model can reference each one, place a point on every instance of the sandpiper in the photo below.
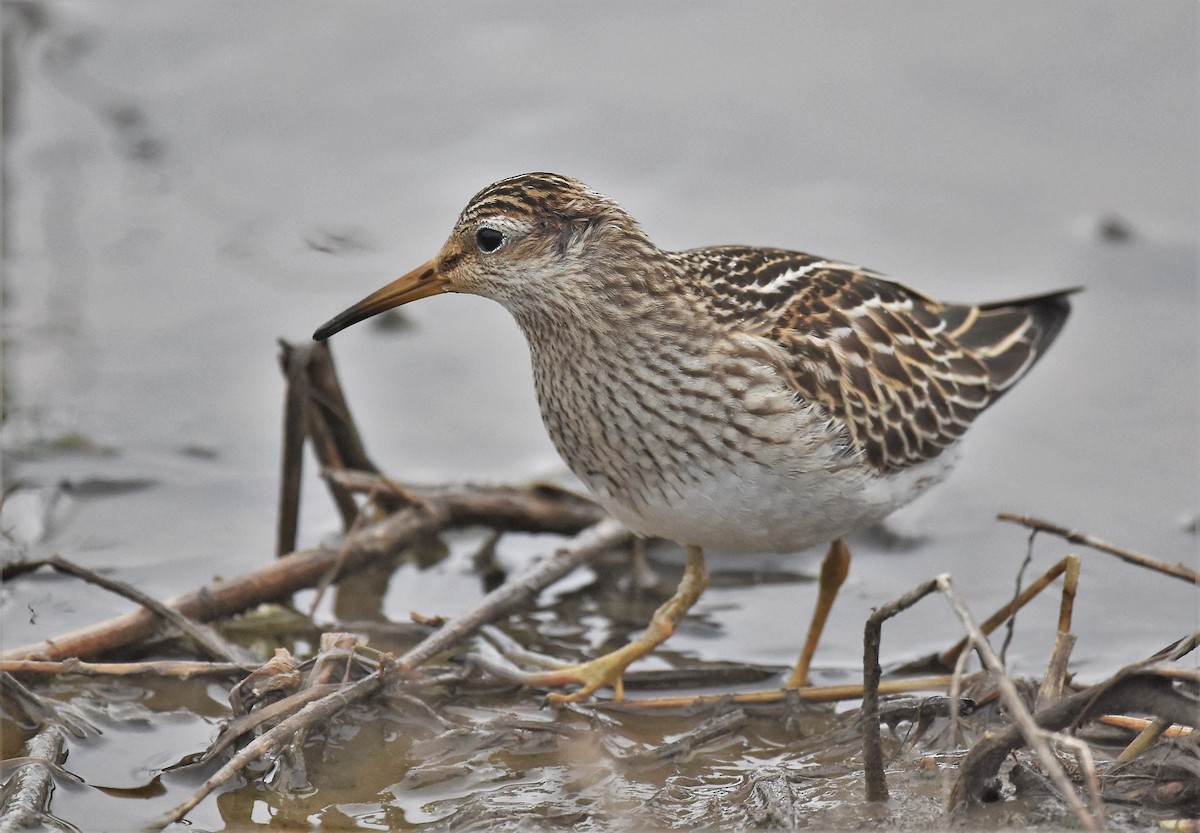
(731, 397)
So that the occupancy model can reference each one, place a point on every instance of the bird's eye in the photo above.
(488, 239)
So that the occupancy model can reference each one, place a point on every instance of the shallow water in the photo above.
(188, 182)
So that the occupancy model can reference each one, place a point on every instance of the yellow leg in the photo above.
(833, 572)
(609, 669)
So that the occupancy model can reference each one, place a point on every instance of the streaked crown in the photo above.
(522, 234)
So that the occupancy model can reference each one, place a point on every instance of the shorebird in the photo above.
(731, 397)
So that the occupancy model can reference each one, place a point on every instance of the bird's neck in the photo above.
(612, 323)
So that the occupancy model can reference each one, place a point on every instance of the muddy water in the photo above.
(185, 183)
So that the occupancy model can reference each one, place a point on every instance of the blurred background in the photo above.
(186, 182)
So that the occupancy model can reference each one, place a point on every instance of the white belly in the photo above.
(753, 509)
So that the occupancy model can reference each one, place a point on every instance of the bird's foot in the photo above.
(609, 669)
(591, 676)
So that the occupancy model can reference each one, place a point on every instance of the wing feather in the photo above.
(905, 374)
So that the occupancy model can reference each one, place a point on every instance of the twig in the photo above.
(1176, 650)
(1031, 732)
(1135, 688)
(204, 638)
(687, 743)
(876, 781)
(598, 538)
(338, 566)
(277, 677)
(1007, 610)
(1087, 767)
(1140, 724)
(178, 669)
(1010, 627)
(335, 660)
(35, 709)
(261, 716)
(41, 712)
(28, 790)
(529, 509)
(955, 695)
(1141, 559)
(338, 443)
(811, 694)
(1056, 671)
(267, 743)
(1153, 730)
(1066, 608)
(377, 486)
(333, 666)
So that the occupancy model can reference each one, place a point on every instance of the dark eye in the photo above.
(488, 239)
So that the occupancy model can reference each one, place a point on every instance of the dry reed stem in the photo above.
(1140, 559)
(1005, 612)
(294, 363)
(315, 408)
(1087, 768)
(1153, 730)
(1030, 731)
(875, 780)
(1140, 724)
(810, 694)
(955, 695)
(1054, 680)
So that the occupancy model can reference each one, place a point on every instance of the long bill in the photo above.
(420, 283)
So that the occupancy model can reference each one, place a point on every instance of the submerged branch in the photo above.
(1136, 689)
(27, 791)
(314, 713)
(532, 509)
(603, 536)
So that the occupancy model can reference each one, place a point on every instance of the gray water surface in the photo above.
(187, 182)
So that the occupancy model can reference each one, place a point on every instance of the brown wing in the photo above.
(906, 374)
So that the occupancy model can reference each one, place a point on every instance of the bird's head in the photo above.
(528, 242)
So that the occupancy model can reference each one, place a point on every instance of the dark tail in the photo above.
(1008, 337)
